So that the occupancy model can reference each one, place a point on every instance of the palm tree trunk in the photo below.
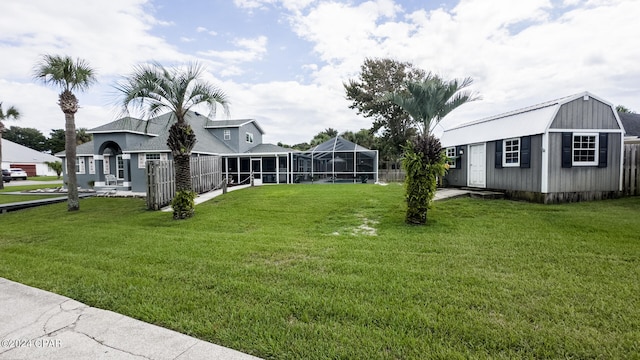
(69, 105)
(183, 172)
(73, 202)
(181, 141)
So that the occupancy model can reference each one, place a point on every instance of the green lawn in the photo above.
(331, 271)
(5, 199)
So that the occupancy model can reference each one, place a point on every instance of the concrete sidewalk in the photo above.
(37, 324)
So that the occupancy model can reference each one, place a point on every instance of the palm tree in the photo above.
(154, 89)
(430, 100)
(68, 75)
(427, 102)
(13, 113)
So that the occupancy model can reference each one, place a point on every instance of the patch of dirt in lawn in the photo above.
(366, 228)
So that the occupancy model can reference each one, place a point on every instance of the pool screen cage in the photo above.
(335, 161)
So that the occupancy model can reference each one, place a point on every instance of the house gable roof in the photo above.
(268, 149)
(220, 124)
(530, 120)
(206, 143)
(20, 154)
(631, 123)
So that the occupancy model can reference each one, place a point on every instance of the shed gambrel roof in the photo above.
(531, 120)
(216, 124)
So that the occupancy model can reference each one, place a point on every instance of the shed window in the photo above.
(227, 134)
(511, 153)
(451, 155)
(249, 138)
(585, 149)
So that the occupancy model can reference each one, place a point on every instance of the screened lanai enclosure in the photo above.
(335, 161)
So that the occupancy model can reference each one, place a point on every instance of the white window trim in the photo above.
(504, 153)
(142, 159)
(105, 165)
(249, 138)
(596, 150)
(80, 165)
(92, 166)
(227, 134)
(453, 157)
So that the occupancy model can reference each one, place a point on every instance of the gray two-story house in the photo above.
(117, 156)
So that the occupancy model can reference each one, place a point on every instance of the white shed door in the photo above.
(477, 168)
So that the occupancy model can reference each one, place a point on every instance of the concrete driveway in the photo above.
(37, 324)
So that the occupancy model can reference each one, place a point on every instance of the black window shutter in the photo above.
(567, 139)
(498, 154)
(525, 152)
(459, 159)
(602, 151)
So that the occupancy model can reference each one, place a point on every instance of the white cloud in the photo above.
(519, 53)
(250, 50)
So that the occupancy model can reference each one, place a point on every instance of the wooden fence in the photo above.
(206, 175)
(631, 170)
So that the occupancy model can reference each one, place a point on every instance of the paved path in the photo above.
(54, 183)
(37, 324)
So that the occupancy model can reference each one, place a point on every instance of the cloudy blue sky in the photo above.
(283, 62)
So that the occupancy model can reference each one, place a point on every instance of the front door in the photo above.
(256, 168)
(477, 166)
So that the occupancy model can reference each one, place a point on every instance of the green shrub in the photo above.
(183, 204)
(423, 162)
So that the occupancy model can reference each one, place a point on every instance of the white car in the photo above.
(17, 173)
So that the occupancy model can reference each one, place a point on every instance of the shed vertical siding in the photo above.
(516, 178)
(584, 178)
(458, 176)
(585, 114)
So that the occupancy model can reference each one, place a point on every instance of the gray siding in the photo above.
(516, 178)
(243, 145)
(584, 178)
(581, 114)
(458, 176)
(233, 142)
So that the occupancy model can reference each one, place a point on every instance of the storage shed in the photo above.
(569, 149)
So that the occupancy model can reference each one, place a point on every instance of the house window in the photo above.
(79, 165)
(585, 149)
(92, 166)
(143, 158)
(511, 153)
(105, 165)
(451, 155)
(227, 134)
(249, 138)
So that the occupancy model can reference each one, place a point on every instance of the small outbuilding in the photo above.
(568, 149)
(31, 161)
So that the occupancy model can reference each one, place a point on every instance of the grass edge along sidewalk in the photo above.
(333, 272)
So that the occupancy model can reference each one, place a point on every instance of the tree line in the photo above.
(36, 140)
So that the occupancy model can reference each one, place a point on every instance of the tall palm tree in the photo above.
(154, 89)
(427, 102)
(12, 113)
(69, 75)
(430, 100)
